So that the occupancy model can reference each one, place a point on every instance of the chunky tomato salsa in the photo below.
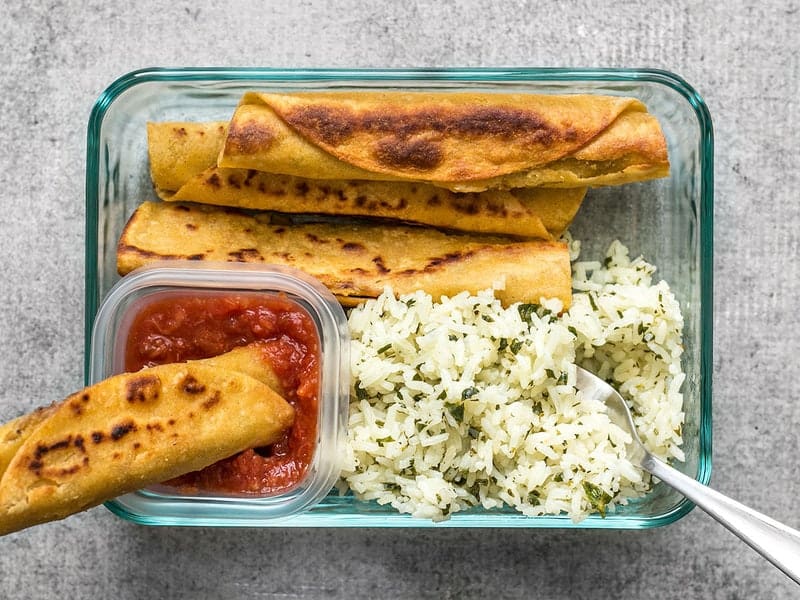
(177, 327)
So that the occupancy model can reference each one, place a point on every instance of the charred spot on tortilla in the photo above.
(450, 257)
(234, 182)
(190, 385)
(248, 137)
(143, 389)
(246, 255)
(502, 122)
(380, 266)
(213, 181)
(314, 239)
(212, 400)
(419, 154)
(353, 247)
(37, 463)
(332, 125)
(120, 430)
(469, 205)
(43, 449)
(147, 254)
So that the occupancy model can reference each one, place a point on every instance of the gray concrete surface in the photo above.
(742, 56)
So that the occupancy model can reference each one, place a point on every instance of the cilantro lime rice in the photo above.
(462, 402)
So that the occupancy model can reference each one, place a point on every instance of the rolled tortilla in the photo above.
(537, 213)
(133, 430)
(354, 261)
(461, 141)
(180, 150)
(251, 360)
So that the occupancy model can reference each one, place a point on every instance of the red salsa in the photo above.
(176, 327)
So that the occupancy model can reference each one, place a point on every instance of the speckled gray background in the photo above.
(57, 56)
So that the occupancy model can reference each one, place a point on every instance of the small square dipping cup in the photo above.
(166, 506)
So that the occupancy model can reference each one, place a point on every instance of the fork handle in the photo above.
(775, 541)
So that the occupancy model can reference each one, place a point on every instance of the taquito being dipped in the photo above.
(133, 430)
(541, 213)
(355, 261)
(460, 141)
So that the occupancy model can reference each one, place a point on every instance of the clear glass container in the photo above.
(668, 221)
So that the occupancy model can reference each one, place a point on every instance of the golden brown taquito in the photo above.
(536, 212)
(133, 430)
(355, 261)
(461, 141)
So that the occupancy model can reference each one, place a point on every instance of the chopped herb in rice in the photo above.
(475, 404)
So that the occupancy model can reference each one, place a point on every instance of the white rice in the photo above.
(461, 402)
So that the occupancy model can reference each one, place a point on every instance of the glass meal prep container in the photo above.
(668, 221)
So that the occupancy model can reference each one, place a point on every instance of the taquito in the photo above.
(532, 212)
(133, 430)
(461, 141)
(251, 360)
(355, 261)
(176, 149)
